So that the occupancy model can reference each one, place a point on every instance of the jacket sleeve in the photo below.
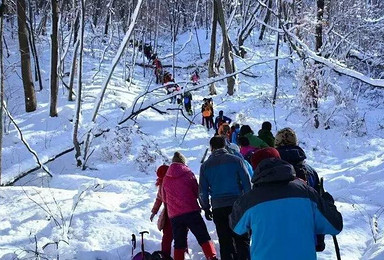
(203, 190)
(239, 220)
(228, 120)
(327, 219)
(244, 177)
(158, 201)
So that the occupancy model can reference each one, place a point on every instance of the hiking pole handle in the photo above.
(142, 240)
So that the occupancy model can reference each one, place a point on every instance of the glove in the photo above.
(328, 198)
(208, 214)
(152, 216)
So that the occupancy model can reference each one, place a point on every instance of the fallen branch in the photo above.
(182, 112)
(202, 85)
(41, 166)
(334, 65)
(25, 173)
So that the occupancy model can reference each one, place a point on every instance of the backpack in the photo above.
(249, 155)
(207, 111)
(305, 173)
(159, 255)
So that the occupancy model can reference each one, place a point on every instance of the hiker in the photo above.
(169, 87)
(164, 223)
(282, 212)
(235, 150)
(254, 141)
(180, 193)
(148, 51)
(195, 77)
(207, 112)
(221, 118)
(187, 98)
(224, 178)
(235, 130)
(225, 131)
(266, 135)
(245, 149)
(287, 145)
(158, 69)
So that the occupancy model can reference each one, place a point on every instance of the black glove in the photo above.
(328, 198)
(208, 214)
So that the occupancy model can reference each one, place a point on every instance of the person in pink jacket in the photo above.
(180, 193)
(164, 223)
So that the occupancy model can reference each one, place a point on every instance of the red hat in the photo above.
(162, 170)
(262, 154)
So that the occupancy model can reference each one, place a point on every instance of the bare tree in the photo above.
(54, 59)
(76, 143)
(266, 19)
(29, 91)
(227, 52)
(115, 61)
(211, 69)
(1, 82)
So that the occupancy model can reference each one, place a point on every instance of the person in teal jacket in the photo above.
(282, 212)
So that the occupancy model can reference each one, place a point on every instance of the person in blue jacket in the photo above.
(282, 211)
(220, 119)
(223, 179)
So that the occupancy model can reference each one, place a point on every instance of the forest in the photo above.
(84, 108)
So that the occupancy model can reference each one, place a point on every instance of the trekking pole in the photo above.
(142, 242)
(337, 248)
(205, 155)
(133, 243)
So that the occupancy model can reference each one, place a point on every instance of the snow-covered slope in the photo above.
(91, 214)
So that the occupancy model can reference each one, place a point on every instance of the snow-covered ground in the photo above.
(91, 214)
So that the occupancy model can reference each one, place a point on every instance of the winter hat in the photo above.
(162, 170)
(178, 157)
(285, 136)
(263, 154)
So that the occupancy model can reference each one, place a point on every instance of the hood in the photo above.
(263, 132)
(177, 170)
(218, 152)
(273, 170)
(292, 154)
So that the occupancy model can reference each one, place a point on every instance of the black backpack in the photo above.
(159, 255)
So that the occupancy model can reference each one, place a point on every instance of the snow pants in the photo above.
(232, 246)
(192, 221)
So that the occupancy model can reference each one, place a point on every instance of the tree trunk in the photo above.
(266, 19)
(1, 83)
(33, 48)
(104, 86)
(211, 71)
(319, 44)
(54, 60)
(76, 143)
(226, 50)
(276, 55)
(29, 91)
(97, 13)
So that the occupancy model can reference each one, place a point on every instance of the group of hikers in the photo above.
(255, 188)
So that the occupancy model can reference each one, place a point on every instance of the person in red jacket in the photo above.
(158, 69)
(180, 193)
(164, 223)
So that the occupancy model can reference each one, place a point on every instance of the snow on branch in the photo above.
(41, 166)
(152, 103)
(335, 65)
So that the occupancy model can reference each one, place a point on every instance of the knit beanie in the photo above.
(285, 136)
(263, 154)
(178, 157)
(162, 170)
